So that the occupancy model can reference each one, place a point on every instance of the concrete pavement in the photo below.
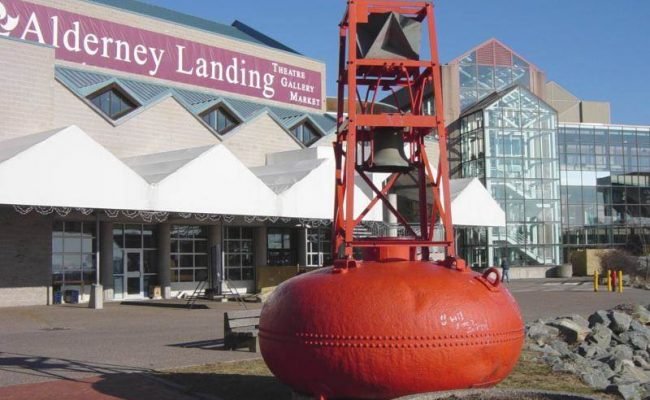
(546, 298)
(74, 342)
(71, 350)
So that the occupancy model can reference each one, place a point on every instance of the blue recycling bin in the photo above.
(71, 296)
(58, 297)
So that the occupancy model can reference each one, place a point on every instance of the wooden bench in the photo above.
(240, 329)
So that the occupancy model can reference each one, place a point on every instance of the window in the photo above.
(189, 253)
(73, 258)
(306, 133)
(281, 249)
(113, 102)
(238, 254)
(220, 120)
(318, 247)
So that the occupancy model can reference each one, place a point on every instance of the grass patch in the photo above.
(242, 380)
(252, 380)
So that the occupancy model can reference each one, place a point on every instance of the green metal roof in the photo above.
(237, 30)
(84, 83)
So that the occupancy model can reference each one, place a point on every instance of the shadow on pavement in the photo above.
(143, 386)
(166, 304)
(215, 344)
(56, 368)
(231, 386)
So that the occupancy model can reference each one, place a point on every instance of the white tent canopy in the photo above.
(472, 205)
(205, 180)
(304, 181)
(66, 168)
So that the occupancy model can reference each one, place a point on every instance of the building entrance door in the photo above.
(133, 274)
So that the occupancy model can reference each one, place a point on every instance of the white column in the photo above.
(392, 219)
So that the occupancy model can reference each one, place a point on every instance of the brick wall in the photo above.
(27, 85)
(247, 146)
(25, 258)
(164, 126)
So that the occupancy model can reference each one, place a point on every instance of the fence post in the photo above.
(609, 280)
(620, 281)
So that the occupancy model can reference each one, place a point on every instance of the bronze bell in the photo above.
(388, 150)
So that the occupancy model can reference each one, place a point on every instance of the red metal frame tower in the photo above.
(362, 79)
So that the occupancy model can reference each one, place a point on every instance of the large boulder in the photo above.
(619, 322)
(637, 340)
(542, 334)
(639, 327)
(641, 314)
(599, 317)
(630, 373)
(600, 335)
(628, 391)
(617, 357)
(570, 330)
(594, 378)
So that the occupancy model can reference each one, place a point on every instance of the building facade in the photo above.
(149, 150)
(508, 141)
(605, 187)
(567, 178)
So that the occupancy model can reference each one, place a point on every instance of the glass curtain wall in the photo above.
(73, 256)
(488, 69)
(510, 144)
(605, 185)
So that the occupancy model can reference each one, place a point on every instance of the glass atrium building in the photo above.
(508, 141)
(566, 177)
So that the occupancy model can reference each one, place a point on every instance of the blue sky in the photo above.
(598, 49)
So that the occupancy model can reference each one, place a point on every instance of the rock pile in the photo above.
(609, 351)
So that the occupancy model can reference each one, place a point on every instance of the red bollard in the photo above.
(614, 278)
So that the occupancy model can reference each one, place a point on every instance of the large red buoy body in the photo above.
(384, 330)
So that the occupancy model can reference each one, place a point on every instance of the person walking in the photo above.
(505, 267)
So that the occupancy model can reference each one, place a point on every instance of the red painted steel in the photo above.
(395, 323)
(361, 80)
(384, 330)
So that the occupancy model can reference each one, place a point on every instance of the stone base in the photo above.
(96, 297)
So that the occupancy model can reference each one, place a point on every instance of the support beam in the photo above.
(164, 270)
(106, 259)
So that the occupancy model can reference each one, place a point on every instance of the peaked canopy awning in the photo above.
(67, 168)
(472, 205)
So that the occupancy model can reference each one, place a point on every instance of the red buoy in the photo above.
(384, 330)
(394, 323)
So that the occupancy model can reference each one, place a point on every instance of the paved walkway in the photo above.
(73, 352)
(102, 387)
(546, 298)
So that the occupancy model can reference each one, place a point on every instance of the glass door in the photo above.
(133, 274)
(318, 247)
